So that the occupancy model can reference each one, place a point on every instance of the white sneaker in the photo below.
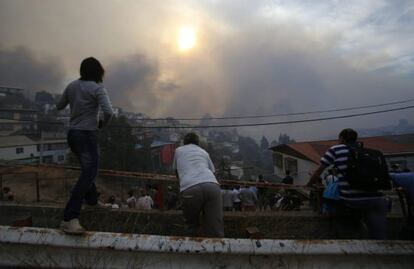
(72, 227)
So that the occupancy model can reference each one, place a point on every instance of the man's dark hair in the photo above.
(131, 193)
(191, 138)
(349, 135)
(91, 69)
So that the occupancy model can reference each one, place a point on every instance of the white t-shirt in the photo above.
(145, 202)
(236, 198)
(131, 202)
(194, 166)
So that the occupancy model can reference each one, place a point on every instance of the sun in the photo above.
(187, 38)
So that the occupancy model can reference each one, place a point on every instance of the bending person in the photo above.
(200, 191)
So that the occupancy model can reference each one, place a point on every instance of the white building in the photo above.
(25, 149)
(302, 158)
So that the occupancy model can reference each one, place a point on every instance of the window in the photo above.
(61, 158)
(7, 115)
(278, 160)
(19, 150)
(291, 165)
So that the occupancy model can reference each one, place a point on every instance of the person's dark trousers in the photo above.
(375, 213)
(204, 198)
(84, 144)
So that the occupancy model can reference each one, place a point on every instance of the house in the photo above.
(28, 150)
(302, 158)
(162, 154)
(17, 113)
(13, 120)
(11, 91)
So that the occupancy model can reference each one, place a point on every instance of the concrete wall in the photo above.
(282, 225)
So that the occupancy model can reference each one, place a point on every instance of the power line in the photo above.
(270, 123)
(241, 125)
(283, 114)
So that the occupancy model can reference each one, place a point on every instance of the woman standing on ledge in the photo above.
(85, 96)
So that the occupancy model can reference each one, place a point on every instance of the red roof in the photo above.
(313, 151)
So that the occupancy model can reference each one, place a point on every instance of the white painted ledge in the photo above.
(52, 248)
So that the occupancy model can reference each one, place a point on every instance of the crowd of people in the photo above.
(199, 190)
(252, 198)
(144, 198)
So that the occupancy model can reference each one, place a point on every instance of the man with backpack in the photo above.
(361, 174)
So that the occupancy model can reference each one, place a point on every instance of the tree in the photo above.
(250, 151)
(264, 143)
(44, 97)
(117, 144)
(285, 139)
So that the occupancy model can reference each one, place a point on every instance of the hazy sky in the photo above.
(249, 57)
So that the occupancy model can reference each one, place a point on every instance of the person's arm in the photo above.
(211, 165)
(316, 175)
(105, 106)
(327, 159)
(63, 101)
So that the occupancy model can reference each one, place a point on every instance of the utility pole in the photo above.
(41, 148)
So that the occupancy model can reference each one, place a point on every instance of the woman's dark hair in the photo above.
(191, 138)
(91, 69)
(349, 135)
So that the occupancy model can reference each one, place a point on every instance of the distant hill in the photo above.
(403, 127)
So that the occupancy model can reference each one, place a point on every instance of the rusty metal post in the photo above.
(37, 188)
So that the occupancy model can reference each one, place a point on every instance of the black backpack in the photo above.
(367, 169)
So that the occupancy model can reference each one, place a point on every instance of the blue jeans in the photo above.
(84, 144)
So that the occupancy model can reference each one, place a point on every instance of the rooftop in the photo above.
(313, 150)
